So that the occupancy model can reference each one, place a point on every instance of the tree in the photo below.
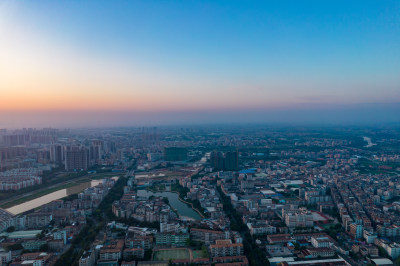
(204, 251)
(397, 262)
(40, 236)
(166, 200)
(88, 234)
(44, 247)
(10, 229)
(383, 252)
(147, 254)
(15, 247)
(256, 255)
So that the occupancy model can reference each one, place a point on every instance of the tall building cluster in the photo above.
(174, 154)
(76, 158)
(79, 157)
(228, 161)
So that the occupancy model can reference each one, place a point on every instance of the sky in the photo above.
(113, 63)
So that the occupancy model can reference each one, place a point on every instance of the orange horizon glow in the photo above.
(43, 68)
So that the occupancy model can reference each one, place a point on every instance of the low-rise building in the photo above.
(321, 242)
(88, 259)
(171, 239)
(133, 253)
(261, 229)
(206, 236)
(223, 248)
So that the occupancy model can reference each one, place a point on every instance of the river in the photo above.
(182, 208)
(368, 140)
(32, 204)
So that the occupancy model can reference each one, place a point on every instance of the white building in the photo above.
(261, 229)
(5, 257)
(369, 236)
(299, 218)
(168, 227)
(393, 250)
(321, 242)
(88, 259)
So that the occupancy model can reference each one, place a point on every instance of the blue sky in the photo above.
(137, 56)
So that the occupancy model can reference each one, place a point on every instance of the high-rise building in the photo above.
(11, 152)
(110, 146)
(16, 139)
(96, 150)
(213, 159)
(174, 154)
(231, 161)
(226, 162)
(57, 153)
(76, 158)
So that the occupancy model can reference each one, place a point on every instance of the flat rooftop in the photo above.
(22, 234)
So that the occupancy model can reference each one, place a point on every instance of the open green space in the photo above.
(102, 175)
(198, 254)
(173, 254)
(368, 166)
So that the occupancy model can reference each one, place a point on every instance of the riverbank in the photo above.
(19, 197)
(37, 195)
(182, 191)
(172, 208)
(189, 204)
(368, 140)
(43, 190)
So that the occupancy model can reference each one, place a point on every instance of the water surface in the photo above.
(368, 140)
(32, 204)
(182, 208)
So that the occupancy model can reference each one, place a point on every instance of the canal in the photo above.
(368, 140)
(32, 204)
(182, 208)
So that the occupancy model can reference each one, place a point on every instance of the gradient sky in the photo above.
(105, 60)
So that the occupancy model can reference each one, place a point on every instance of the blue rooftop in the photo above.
(248, 171)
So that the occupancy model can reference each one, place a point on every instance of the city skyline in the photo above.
(146, 62)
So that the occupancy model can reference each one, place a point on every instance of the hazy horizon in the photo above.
(365, 114)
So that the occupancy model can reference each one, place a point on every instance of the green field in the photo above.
(197, 254)
(174, 254)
